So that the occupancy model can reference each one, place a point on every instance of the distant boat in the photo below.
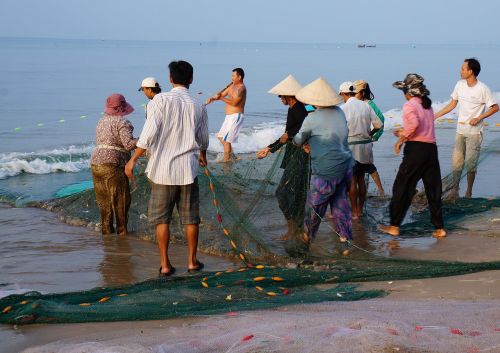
(363, 45)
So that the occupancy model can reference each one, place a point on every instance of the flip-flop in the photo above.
(199, 267)
(166, 274)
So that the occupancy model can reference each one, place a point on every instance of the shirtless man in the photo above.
(235, 97)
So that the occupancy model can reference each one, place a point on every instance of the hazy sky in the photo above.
(370, 21)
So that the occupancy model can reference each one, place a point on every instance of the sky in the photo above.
(316, 21)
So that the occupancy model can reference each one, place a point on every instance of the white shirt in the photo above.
(175, 130)
(472, 102)
(360, 118)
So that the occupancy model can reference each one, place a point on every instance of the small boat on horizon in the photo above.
(363, 45)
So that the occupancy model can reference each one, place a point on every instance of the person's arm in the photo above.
(375, 122)
(235, 99)
(410, 124)
(448, 108)
(202, 138)
(129, 167)
(493, 109)
(304, 133)
(273, 147)
(399, 143)
(125, 132)
(217, 96)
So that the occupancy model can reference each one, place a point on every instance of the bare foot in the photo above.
(439, 233)
(391, 230)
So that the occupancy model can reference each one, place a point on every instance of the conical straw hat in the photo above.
(319, 93)
(288, 87)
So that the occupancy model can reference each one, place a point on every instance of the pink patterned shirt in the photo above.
(114, 140)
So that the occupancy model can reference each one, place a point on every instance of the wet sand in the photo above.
(469, 303)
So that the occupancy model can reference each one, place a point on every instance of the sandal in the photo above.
(199, 267)
(168, 273)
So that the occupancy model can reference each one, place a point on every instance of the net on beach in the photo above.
(220, 292)
(244, 208)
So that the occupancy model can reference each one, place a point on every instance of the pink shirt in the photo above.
(418, 123)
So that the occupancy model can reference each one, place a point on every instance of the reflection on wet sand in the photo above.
(116, 267)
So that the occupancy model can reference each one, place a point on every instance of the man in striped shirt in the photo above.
(176, 133)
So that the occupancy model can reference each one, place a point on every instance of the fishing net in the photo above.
(245, 207)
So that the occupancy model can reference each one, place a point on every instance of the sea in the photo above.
(52, 94)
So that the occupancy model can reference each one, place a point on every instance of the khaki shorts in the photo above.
(165, 197)
(466, 152)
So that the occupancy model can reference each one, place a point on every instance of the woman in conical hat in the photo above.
(325, 130)
(292, 190)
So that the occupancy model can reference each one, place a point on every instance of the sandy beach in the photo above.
(451, 314)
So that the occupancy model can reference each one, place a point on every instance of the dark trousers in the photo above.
(420, 161)
(112, 193)
(292, 189)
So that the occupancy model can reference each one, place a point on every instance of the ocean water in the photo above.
(52, 93)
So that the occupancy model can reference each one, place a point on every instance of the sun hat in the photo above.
(288, 87)
(319, 93)
(413, 85)
(117, 105)
(149, 82)
(359, 85)
(346, 87)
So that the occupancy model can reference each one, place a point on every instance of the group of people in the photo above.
(328, 143)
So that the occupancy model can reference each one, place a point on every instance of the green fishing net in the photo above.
(245, 207)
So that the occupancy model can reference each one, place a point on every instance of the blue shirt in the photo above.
(326, 132)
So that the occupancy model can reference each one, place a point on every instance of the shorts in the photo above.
(231, 127)
(362, 169)
(164, 197)
(466, 151)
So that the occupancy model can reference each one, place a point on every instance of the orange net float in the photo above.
(233, 244)
(211, 185)
(242, 257)
(226, 232)
(206, 172)
(216, 203)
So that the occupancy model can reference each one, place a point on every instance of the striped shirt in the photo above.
(175, 130)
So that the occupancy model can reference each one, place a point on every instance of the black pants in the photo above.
(292, 189)
(420, 161)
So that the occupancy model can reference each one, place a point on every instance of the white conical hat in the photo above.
(288, 87)
(319, 93)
